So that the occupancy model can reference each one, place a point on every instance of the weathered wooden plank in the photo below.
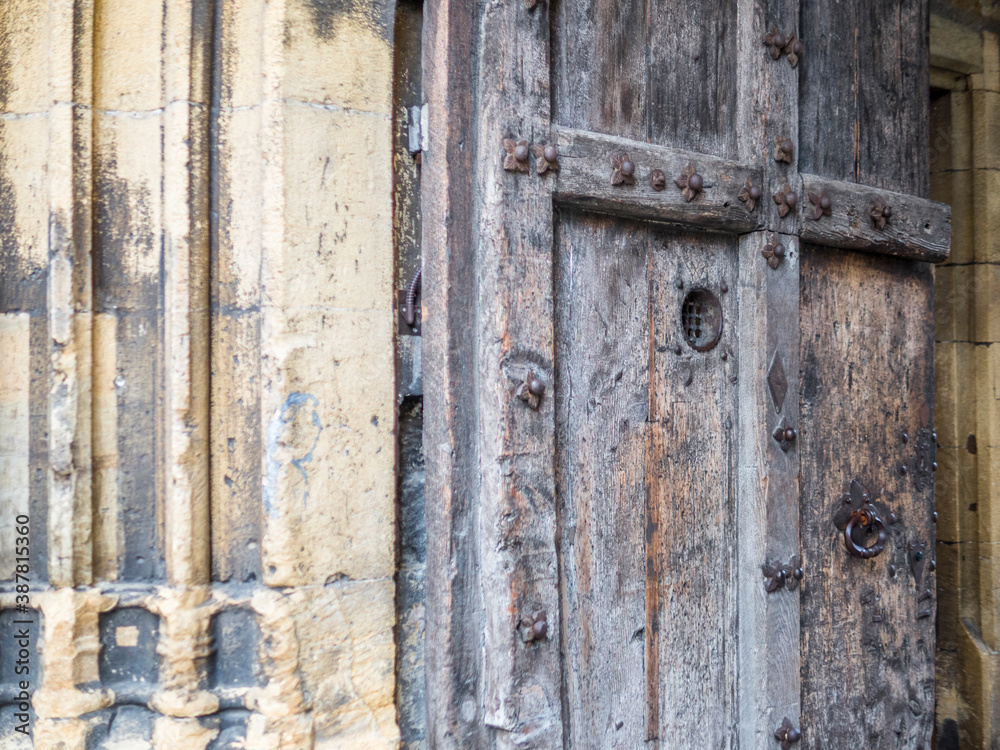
(522, 677)
(864, 93)
(454, 605)
(602, 354)
(585, 180)
(918, 228)
(867, 369)
(768, 493)
(691, 530)
(767, 486)
(648, 70)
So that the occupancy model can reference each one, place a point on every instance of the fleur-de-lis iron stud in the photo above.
(777, 576)
(881, 212)
(531, 390)
(657, 180)
(534, 627)
(750, 194)
(624, 170)
(822, 205)
(778, 44)
(785, 434)
(775, 41)
(784, 149)
(793, 50)
(547, 158)
(787, 734)
(690, 182)
(517, 156)
(787, 199)
(774, 251)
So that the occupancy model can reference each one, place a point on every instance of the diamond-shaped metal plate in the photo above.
(777, 383)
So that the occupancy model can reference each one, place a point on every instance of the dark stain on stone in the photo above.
(326, 16)
(947, 738)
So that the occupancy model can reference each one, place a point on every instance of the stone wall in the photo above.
(197, 411)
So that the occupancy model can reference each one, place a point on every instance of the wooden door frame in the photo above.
(457, 375)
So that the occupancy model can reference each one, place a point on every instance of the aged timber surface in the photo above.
(866, 370)
(645, 485)
(649, 70)
(863, 87)
(584, 180)
(918, 228)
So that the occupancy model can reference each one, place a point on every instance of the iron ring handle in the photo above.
(865, 553)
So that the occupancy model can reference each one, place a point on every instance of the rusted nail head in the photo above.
(696, 182)
(792, 199)
(536, 387)
(786, 144)
(798, 574)
(724, 356)
(892, 570)
(779, 40)
(790, 434)
(918, 556)
(794, 735)
(902, 469)
(628, 168)
(756, 192)
(906, 437)
(932, 565)
(934, 516)
(893, 518)
(550, 153)
(724, 287)
(779, 576)
(934, 436)
(825, 202)
(521, 153)
(679, 284)
(887, 212)
(797, 48)
(933, 465)
(539, 629)
(658, 179)
(677, 349)
(779, 250)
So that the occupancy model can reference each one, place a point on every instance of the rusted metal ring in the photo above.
(867, 519)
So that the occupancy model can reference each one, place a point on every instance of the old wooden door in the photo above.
(677, 343)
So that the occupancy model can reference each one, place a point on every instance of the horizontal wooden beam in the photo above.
(584, 180)
(918, 228)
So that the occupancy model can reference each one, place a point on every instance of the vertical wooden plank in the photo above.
(600, 55)
(864, 93)
(691, 529)
(454, 600)
(866, 326)
(648, 70)
(767, 478)
(515, 330)
(602, 357)
(692, 75)
(768, 489)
